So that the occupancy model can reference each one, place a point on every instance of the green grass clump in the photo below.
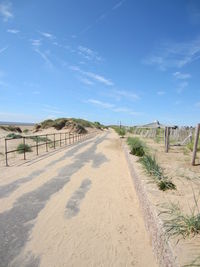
(120, 130)
(179, 224)
(191, 145)
(137, 146)
(155, 171)
(23, 147)
(39, 139)
(13, 136)
(59, 123)
(25, 131)
(11, 128)
(47, 123)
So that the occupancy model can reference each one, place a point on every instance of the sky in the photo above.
(133, 61)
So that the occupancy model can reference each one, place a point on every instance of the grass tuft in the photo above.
(23, 147)
(137, 146)
(13, 136)
(154, 170)
(180, 224)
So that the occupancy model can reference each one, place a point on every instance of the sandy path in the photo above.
(81, 211)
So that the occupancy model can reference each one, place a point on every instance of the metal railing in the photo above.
(67, 138)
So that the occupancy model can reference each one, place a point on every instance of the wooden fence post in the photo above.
(196, 140)
(167, 132)
(37, 145)
(46, 143)
(6, 153)
(54, 140)
(24, 142)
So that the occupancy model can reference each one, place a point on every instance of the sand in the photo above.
(75, 207)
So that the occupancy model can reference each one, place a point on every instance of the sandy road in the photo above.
(77, 208)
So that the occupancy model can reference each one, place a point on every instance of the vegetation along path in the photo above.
(77, 207)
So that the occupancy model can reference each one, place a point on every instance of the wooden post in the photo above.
(24, 142)
(196, 140)
(46, 143)
(6, 152)
(60, 139)
(69, 138)
(167, 132)
(65, 138)
(54, 140)
(37, 145)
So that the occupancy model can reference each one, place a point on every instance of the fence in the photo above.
(172, 136)
(47, 141)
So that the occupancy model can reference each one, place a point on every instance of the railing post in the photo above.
(196, 140)
(73, 138)
(65, 138)
(69, 138)
(37, 145)
(60, 139)
(54, 140)
(46, 143)
(6, 152)
(24, 142)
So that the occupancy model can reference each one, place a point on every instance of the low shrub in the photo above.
(13, 136)
(137, 146)
(23, 147)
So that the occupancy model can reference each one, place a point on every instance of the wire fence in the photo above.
(173, 136)
(26, 147)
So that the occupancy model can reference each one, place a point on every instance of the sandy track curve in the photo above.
(84, 212)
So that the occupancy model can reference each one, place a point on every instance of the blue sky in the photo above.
(101, 60)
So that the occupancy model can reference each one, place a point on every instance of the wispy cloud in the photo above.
(99, 78)
(181, 76)
(182, 86)
(36, 42)
(103, 16)
(175, 54)
(13, 31)
(86, 81)
(88, 53)
(93, 76)
(45, 57)
(100, 103)
(47, 35)
(3, 49)
(6, 10)
(112, 107)
(161, 93)
(51, 109)
(127, 94)
(119, 4)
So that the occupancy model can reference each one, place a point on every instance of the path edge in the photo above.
(162, 248)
